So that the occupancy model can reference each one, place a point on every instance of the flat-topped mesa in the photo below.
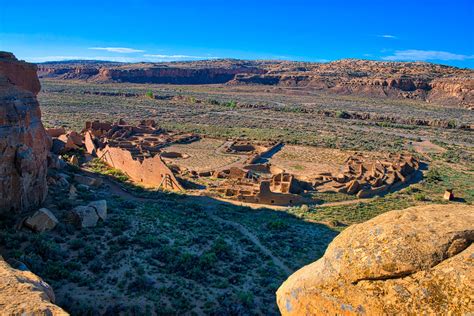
(24, 143)
(444, 85)
(136, 150)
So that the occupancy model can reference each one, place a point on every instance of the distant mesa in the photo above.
(440, 84)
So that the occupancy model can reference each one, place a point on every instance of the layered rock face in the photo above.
(201, 72)
(413, 80)
(24, 144)
(418, 260)
(24, 293)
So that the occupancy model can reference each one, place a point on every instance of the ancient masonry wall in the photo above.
(149, 172)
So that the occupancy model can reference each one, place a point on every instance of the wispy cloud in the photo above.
(177, 57)
(123, 59)
(424, 55)
(40, 59)
(388, 36)
(123, 50)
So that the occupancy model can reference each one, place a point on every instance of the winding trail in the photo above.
(210, 207)
(244, 231)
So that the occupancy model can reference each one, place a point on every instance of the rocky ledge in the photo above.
(416, 260)
(24, 293)
(24, 144)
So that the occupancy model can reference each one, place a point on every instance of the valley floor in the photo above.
(165, 253)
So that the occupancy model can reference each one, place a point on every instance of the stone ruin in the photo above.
(139, 151)
(136, 150)
(365, 178)
(257, 182)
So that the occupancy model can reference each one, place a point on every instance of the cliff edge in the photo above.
(24, 144)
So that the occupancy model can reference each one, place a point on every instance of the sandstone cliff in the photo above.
(24, 144)
(24, 293)
(414, 261)
(413, 80)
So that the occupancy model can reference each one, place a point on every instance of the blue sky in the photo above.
(141, 30)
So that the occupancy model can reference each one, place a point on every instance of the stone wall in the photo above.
(149, 172)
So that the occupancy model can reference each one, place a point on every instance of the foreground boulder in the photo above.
(88, 215)
(42, 220)
(24, 144)
(84, 216)
(418, 260)
(100, 207)
(24, 293)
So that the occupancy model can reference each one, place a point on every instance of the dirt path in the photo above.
(244, 231)
(210, 209)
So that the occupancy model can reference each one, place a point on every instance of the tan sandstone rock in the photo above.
(24, 293)
(42, 220)
(414, 261)
(84, 216)
(24, 144)
(100, 207)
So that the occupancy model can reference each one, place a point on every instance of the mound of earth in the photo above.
(417, 259)
(414, 80)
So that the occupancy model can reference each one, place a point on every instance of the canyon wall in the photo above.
(434, 83)
(24, 144)
(414, 260)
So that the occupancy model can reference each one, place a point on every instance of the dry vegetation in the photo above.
(173, 254)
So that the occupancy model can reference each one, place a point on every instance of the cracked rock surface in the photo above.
(418, 259)
(24, 293)
(24, 144)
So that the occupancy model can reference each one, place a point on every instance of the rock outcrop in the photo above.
(418, 260)
(42, 220)
(24, 144)
(24, 293)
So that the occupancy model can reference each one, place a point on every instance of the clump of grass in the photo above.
(101, 167)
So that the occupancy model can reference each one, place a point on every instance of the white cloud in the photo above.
(387, 36)
(124, 59)
(41, 59)
(423, 55)
(123, 50)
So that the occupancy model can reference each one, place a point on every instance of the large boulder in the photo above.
(84, 216)
(24, 144)
(42, 220)
(418, 260)
(24, 293)
(100, 207)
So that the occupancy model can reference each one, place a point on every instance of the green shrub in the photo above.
(342, 114)
(149, 94)
(433, 175)
(419, 196)
(277, 225)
